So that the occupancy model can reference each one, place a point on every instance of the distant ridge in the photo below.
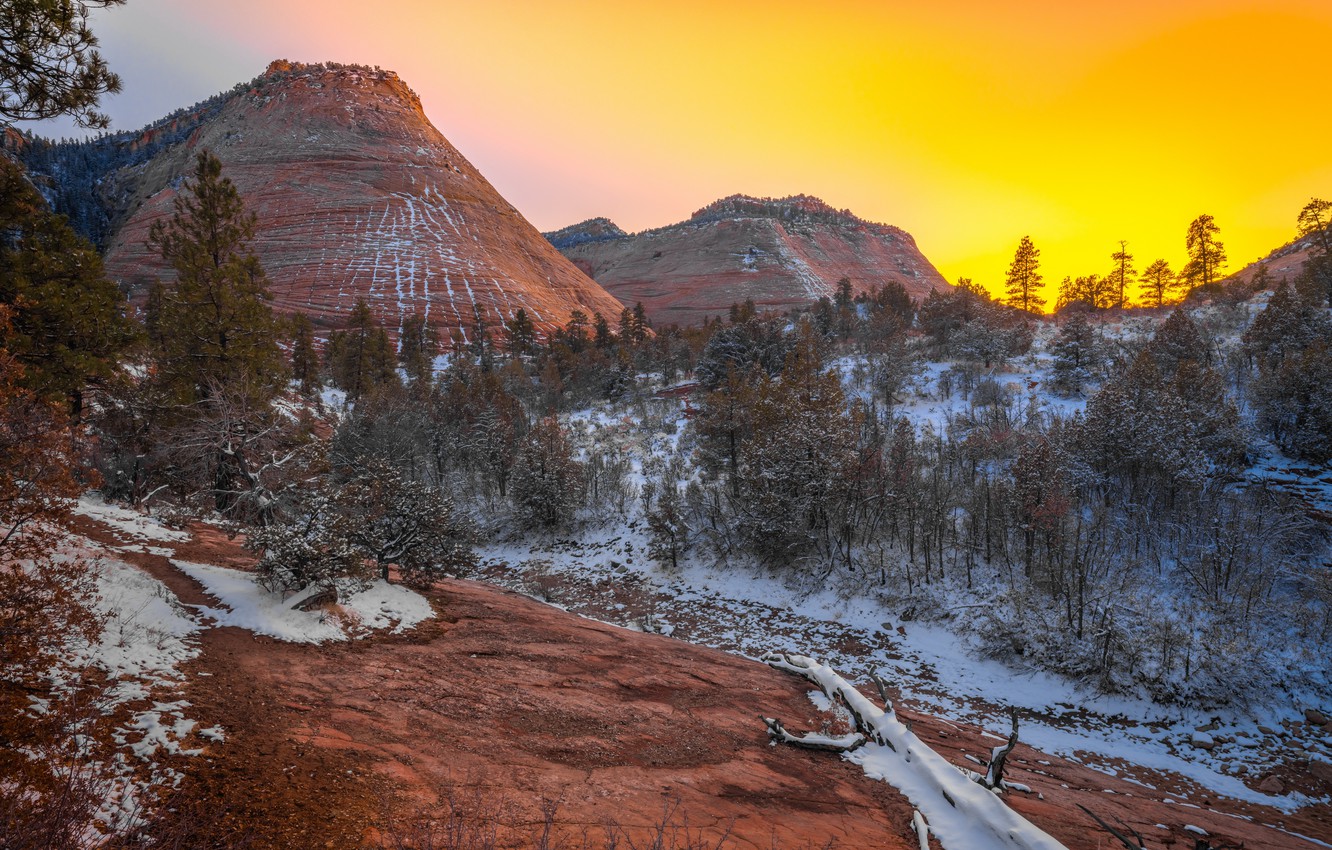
(780, 252)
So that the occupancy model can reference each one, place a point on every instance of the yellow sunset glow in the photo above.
(969, 123)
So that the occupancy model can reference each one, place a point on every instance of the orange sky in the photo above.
(968, 122)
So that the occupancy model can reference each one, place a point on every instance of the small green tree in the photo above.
(360, 358)
(417, 346)
(217, 333)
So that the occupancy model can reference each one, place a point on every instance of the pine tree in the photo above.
(1024, 278)
(1176, 342)
(68, 327)
(50, 65)
(304, 358)
(520, 332)
(218, 333)
(1315, 224)
(1120, 274)
(668, 531)
(546, 479)
(1207, 256)
(417, 346)
(1156, 282)
(360, 358)
(641, 325)
(602, 337)
(1073, 351)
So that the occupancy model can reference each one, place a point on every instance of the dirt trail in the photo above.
(516, 701)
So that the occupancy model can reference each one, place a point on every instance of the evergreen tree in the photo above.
(417, 346)
(1176, 342)
(360, 358)
(218, 333)
(574, 334)
(304, 358)
(1073, 351)
(1288, 324)
(1207, 256)
(50, 65)
(667, 528)
(1315, 224)
(68, 327)
(1120, 274)
(520, 332)
(641, 325)
(1024, 278)
(546, 479)
(1156, 282)
(602, 337)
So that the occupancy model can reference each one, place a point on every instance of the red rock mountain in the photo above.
(782, 253)
(357, 196)
(1285, 263)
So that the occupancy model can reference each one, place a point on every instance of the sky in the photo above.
(969, 123)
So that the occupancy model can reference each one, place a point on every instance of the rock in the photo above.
(1314, 716)
(356, 195)
(1202, 740)
(1266, 730)
(1321, 770)
(781, 253)
(1272, 785)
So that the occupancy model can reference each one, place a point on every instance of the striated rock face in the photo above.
(357, 196)
(781, 253)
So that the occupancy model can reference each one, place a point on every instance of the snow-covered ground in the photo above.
(146, 637)
(934, 668)
(245, 604)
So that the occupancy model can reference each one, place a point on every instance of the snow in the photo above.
(962, 814)
(131, 523)
(146, 637)
(245, 604)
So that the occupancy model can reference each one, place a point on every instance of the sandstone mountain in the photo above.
(782, 253)
(357, 196)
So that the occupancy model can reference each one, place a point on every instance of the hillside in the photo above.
(499, 702)
(357, 196)
(782, 253)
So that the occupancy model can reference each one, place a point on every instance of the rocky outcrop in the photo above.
(781, 253)
(357, 196)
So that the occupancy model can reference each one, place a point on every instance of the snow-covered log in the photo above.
(814, 740)
(961, 814)
(922, 829)
(994, 772)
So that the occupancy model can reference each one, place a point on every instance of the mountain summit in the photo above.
(781, 252)
(357, 196)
